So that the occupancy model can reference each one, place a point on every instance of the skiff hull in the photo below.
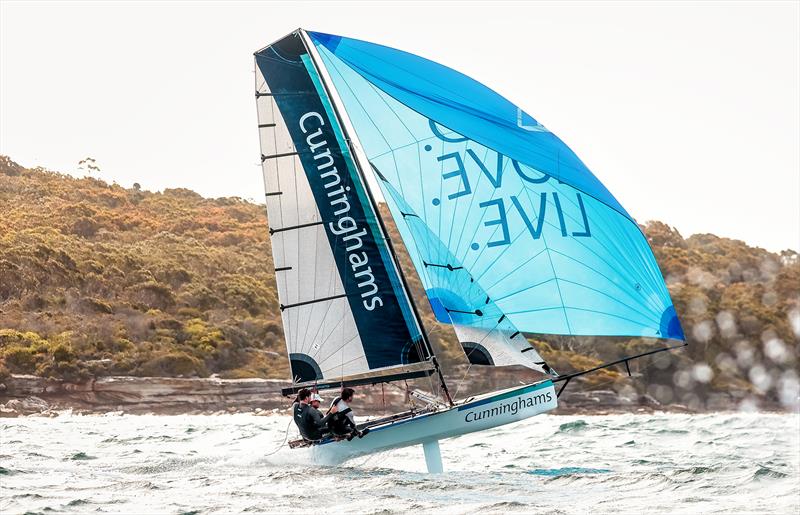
(478, 414)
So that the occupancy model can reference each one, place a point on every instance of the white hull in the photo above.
(484, 412)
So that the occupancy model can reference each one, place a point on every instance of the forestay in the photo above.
(345, 312)
(508, 229)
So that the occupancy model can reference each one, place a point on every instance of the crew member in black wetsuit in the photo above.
(299, 407)
(343, 423)
(308, 418)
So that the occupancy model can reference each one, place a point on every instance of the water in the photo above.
(548, 464)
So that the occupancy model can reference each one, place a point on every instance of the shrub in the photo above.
(85, 227)
(171, 364)
(63, 353)
(20, 360)
(97, 306)
(154, 295)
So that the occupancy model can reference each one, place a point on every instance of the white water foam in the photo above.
(662, 463)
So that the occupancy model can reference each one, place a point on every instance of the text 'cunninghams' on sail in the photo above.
(344, 225)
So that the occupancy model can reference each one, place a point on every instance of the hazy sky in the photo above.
(689, 113)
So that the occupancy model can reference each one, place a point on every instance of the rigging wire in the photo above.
(641, 368)
(461, 381)
(383, 399)
(285, 437)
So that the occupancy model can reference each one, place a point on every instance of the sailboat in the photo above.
(508, 231)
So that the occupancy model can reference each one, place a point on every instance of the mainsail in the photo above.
(508, 230)
(346, 313)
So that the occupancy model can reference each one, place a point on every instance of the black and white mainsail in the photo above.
(347, 316)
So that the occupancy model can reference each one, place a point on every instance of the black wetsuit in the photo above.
(297, 414)
(310, 421)
(339, 423)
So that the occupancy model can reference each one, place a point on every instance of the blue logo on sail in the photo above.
(462, 167)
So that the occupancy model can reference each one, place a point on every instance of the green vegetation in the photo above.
(97, 279)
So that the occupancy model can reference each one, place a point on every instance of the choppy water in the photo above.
(548, 464)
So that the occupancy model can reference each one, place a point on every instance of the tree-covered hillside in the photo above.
(97, 279)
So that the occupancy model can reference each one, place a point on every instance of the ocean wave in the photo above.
(568, 471)
(577, 425)
(766, 472)
(81, 456)
(528, 467)
(697, 470)
(672, 432)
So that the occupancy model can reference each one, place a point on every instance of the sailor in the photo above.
(299, 409)
(313, 426)
(343, 422)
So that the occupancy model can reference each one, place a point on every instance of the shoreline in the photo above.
(25, 395)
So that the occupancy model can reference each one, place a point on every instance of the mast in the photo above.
(350, 137)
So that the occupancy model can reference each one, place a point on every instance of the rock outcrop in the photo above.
(26, 395)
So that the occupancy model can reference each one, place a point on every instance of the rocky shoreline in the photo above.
(27, 395)
(22, 395)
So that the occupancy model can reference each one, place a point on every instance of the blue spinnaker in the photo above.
(515, 214)
(467, 107)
